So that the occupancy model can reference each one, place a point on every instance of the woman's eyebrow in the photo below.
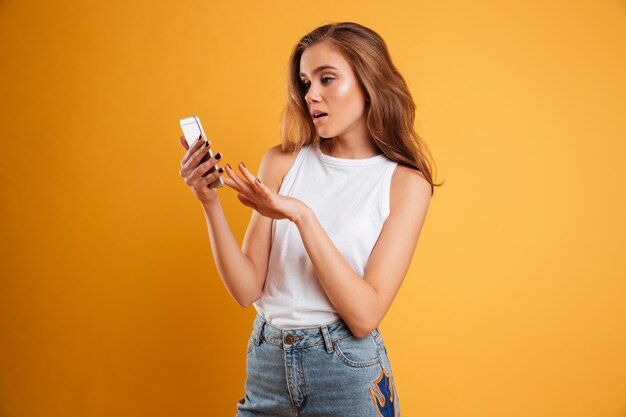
(320, 68)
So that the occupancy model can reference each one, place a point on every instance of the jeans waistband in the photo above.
(303, 337)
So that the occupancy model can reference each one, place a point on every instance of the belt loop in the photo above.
(259, 329)
(327, 342)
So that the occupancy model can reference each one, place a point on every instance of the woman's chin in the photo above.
(323, 132)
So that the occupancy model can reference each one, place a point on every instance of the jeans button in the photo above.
(289, 339)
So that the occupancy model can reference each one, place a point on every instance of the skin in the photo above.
(362, 302)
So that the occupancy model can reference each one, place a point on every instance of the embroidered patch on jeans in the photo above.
(383, 395)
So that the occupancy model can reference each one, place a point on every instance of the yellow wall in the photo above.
(110, 305)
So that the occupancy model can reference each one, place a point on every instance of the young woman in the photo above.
(337, 211)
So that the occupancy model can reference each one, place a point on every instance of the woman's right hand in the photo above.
(192, 172)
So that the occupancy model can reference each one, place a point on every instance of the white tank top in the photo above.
(350, 198)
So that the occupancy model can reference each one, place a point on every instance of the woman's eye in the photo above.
(325, 80)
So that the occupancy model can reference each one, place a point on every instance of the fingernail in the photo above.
(258, 180)
(242, 164)
(218, 156)
(206, 143)
(221, 170)
(229, 167)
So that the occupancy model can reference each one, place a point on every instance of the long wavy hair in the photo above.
(389, 105)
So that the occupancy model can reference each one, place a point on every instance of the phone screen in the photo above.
(192, 128)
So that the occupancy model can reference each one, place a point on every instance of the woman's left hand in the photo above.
(253, 193)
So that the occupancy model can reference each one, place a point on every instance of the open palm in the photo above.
(253, 193)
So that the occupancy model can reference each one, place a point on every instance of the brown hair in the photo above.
(389, 107)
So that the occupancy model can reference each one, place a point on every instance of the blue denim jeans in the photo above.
(317, 372)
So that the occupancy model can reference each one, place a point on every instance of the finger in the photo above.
(230, 183)
(257, 185)
(203, 168)
(207, 180)
(196, 157)
(197, 153)
(262, 188)
(193, 149)
(246, 202)
(190, 150)
(247, 175)
(244, 187)
(183, 142)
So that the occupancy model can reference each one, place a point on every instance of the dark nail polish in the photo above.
(221, 170)
(206, 143)
(218, 156)
(229, 167)
(243, 165)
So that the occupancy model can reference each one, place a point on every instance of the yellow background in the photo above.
(110, 304)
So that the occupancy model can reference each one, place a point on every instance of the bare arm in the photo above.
(237, 271)
(242, 271)
(363, 302)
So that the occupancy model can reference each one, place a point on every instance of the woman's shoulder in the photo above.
(408, 183)
(403, 174)
(276, 152)
(275, 165)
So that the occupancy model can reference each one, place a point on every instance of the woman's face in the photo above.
(331, 87)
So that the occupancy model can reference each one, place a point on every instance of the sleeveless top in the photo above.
(350, 198)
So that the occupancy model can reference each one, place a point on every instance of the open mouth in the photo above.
(318, 117)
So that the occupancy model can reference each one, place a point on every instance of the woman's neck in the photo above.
(340, 149)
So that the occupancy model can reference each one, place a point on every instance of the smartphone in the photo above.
(192, 128)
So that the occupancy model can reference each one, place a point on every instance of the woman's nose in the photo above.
(312, 95)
